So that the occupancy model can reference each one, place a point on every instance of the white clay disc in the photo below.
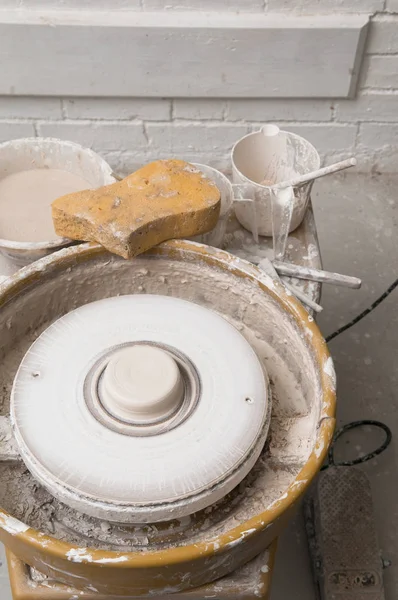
(140, 478)
(142, 384)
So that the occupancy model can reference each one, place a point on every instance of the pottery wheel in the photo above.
(140, 408)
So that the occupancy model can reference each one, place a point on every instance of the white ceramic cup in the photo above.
(271, 156)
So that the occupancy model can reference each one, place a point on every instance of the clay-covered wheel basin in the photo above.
(176, 555)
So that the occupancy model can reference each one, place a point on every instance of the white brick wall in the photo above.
(14, 107)
(392, 6)
(279, 110)
(10, 130)
(182, 136)
(376, 106)
(210, 5)
(383, 38)
(325, 6)
(72, 4)
(130, 131)
(118, 108)
(326, 137)
(375, 135)
(99, 135)
(199, 109)
(380, 72)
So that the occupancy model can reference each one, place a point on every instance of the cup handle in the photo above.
(242, 193)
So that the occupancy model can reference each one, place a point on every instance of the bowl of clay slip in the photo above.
(33, 173)
(215, 237)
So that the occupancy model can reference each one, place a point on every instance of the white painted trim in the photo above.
(179, 54)
(179, 19)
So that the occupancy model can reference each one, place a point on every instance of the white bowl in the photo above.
(35, 153)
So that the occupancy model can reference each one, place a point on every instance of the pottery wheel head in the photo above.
(142, 384)
(140, 408)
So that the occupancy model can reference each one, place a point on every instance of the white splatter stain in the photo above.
(319, 448)
(299, 483)
(105, 561)
(12, 525)
(312, 253)
(328, 369)
(79, 555)
(278, 500)
(243, 535)
(216, 546)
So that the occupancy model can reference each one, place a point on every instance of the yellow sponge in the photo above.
(163, 200)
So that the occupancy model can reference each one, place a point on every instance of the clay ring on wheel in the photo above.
(140, 408)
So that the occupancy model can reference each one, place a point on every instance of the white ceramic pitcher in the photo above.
(264, 158)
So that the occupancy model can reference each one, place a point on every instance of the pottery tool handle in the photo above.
(317, 275)
(302, 297)
(267, 266)
(340, 166)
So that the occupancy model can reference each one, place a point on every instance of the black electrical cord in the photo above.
(361, 459)
(355, 424)
(364, 313)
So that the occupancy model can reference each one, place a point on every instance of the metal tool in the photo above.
(301, 296)
(316, 275)
(267, 266)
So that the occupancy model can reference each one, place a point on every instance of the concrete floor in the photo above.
(357, 225)
(357, 221)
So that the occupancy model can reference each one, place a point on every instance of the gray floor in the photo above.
(357, 225)
(5, 593)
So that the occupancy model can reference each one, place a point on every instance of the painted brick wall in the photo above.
(129, 132)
